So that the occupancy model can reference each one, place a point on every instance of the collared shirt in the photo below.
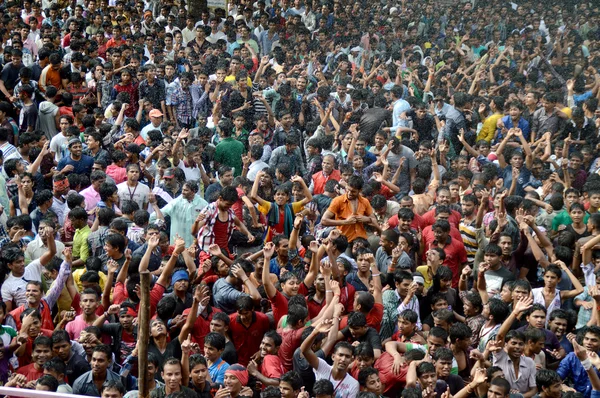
(183, 213)
(527, 370)
(84, 385)
(92, 197)
(400, 106)
(413, 304)
(13, 288)
(36, 248)
(341, 207)
(182, 101)
(96, 240)
(80, 247)
(206, 235)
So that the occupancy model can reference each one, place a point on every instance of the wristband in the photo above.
(328, 291)
(374, 275)
(587, 364)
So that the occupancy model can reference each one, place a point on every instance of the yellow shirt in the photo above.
(423, 271)
(80, 246)
(77, 278)
(488, 131)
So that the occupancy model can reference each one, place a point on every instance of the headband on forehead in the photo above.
(239, 372)
(128, 311)
(62, 184)
(419, 279)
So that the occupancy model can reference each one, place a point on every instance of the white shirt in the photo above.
(13, 288)
(36, 248)
(342, 389)
(139, 194)
(254, 168)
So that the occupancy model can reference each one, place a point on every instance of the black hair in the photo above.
(215, 340)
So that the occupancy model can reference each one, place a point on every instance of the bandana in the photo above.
(62, 184)
(239, 372)
(128, 311)
(180, 275)
(419, 279)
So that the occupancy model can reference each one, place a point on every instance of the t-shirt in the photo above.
(13, 288)
(139, 194)
(304, 369)
(371, 337)
(494, 280)
(348, 387)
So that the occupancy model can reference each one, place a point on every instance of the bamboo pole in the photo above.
(143, 334)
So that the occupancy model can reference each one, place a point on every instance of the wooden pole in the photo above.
(143, 334)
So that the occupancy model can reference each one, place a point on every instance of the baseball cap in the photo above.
(74, 140)
(169, 173)
(155, 113)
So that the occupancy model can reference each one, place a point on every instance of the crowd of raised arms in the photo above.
(333, 198)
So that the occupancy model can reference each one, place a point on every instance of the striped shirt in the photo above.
(469, 237)
(206, 235)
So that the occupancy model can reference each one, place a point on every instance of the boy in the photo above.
(407, 328)
(214, 344)
(198, 371)
(271, 368)
(79, 220)
(42, 352)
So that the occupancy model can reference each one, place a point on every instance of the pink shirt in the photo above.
(119, 174)
(76, 326)
(92, 197)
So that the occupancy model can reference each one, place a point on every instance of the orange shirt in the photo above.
(341, 207)
(320, 179)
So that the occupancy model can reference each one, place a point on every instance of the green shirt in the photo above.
(229, 153)
(80, 247)
(563, 218)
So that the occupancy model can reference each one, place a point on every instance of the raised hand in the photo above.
(269, 250)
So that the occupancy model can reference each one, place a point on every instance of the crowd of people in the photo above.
(334, 199)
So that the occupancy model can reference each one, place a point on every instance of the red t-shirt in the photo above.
(292, 338)
(201, 326)
(454, 220)
(417, 223)
(272, 367)
(374, 318)
(30, 372)
(247, 339)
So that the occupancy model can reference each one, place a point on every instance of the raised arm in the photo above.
(307, 195)
(165, 277)
(268, 251)
(578, 288)
(254, 192)
(306, 346)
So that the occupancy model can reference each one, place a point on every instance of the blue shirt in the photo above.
(571, 367)
(81, 166)
(508, 123)
(217, 371)
(400, 107)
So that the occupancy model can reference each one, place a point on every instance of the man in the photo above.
(155, 123)
(89, 304)
(15, 286)
(226, 291)
(132, 189)
(256, 155)
(183, 211)
(289, 154)
(44, 304)
(400, 107)
(91, 383)
(40, 245)
(229, 150)
(329, 172)
(456, 255)
(219, 212)
(172, 375)
(76, 162)
(60, 188)
(76, 365)
(92, 193)
(346, 386)
(42, 352)
(571, 366)
(225, 174)
(153, 90)
(350, 212)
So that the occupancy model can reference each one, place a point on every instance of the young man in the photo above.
(42, 352)
(76, 365)
(268, 368)
(214, 344)
(172, 375)
(198, 371)
(90, 383)
(345, 385)
(132, 189)
(89, 302)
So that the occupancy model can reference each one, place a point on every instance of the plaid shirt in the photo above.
(206, 235)
(96, 241)
(182, 101)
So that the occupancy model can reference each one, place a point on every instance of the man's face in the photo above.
(537, 319)
(41, 354)
(428, 379)
(218, 326)
(99, 363)
(33, 294)
(558, 326)
(591, 342)
(62, 350)
(89, 304)
(133, 174)
(468, 208)
(342, 358)
(441, 236)
(443, 367)
(505, 244)
(514, 348)
(496, 392)
(211, 353)
(267, 347)
(434, 343)
(76, 150)
(352, 193)
(443, 197)
(171, 374)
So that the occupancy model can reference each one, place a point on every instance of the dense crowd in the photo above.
(334, 199)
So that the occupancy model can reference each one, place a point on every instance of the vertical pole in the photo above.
(143, 334)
